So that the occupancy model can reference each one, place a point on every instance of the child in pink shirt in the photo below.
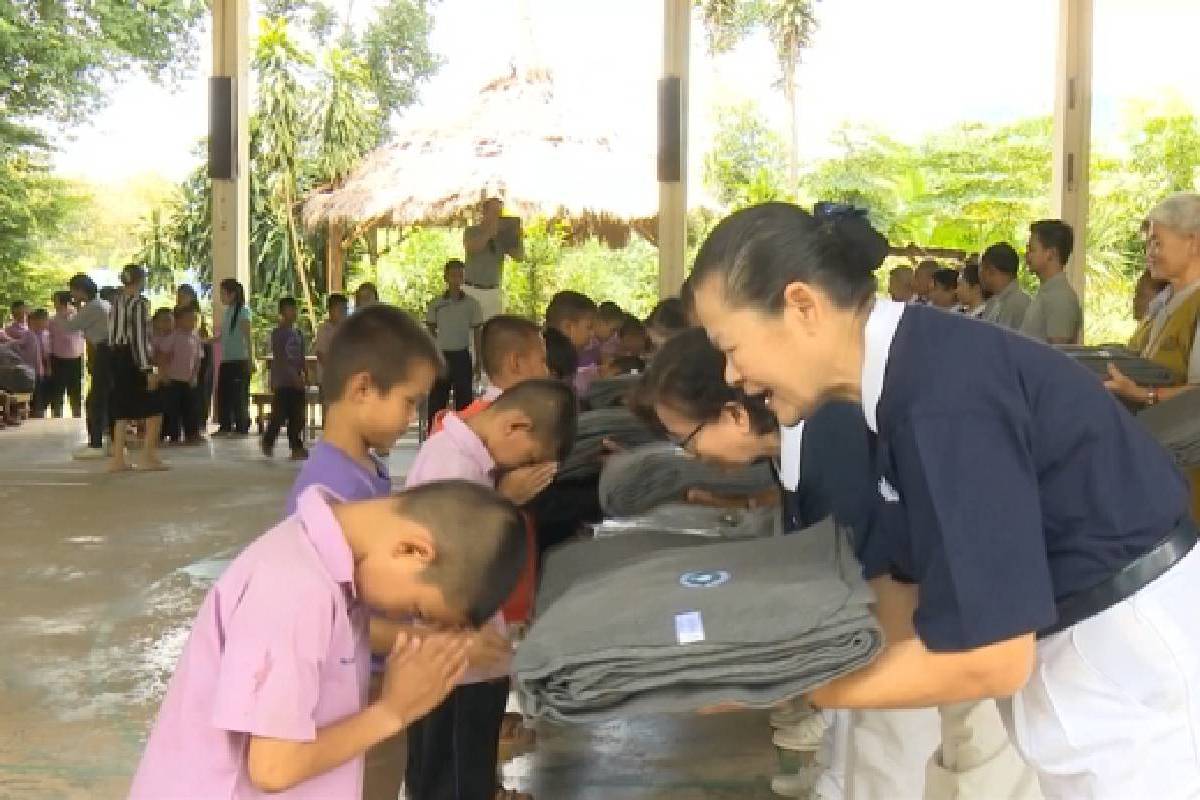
(66, 358)
(514, 444)
(181, 353)
(269, 695)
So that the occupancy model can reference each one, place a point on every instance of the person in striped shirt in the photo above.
(135, 377)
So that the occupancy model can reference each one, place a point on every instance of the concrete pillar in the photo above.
(231, 198)
(1073, 129)
(672, 194)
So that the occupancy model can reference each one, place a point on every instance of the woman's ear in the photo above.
(736, 413)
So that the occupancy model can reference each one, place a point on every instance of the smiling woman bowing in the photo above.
(1032, 540)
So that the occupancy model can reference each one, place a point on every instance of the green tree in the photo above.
(396, 49)
(746, 163)
(790, 24)
(284, 258)
(57, 58)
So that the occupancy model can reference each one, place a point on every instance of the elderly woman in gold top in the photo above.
(1169, 335)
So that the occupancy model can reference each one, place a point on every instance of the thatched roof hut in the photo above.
(515, 140)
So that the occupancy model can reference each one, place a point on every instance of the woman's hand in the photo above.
(1123, 386)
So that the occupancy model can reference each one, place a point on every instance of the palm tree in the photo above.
(790, 25)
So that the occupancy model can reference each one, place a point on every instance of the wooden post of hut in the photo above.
(335, 257)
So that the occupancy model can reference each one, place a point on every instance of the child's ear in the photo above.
(419, 548)
(358, 386)
(517, 421)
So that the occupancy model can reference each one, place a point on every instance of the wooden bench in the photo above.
(314, 416)
(17, 406)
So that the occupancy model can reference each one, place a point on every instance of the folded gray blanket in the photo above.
(692, 625)
(610, 392)
(1097, 358)
(1175, 424)
(638, 480)
(568, 564)
(616, 424)
(696, 520)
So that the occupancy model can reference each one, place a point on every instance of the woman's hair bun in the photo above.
(862, 247)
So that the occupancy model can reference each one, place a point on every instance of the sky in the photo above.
(908, 68)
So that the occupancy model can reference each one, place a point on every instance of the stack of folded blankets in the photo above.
(646, 477)
(1175, 424)
(696, 520)
(1142, 371)
(610, 392)
(618, 425)
(671, 623)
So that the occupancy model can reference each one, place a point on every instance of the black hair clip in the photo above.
(829, 210)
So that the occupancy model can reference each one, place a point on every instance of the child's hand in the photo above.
(421, 671)
(488, 649)
(525, 483)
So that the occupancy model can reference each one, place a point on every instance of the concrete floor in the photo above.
(100, 576)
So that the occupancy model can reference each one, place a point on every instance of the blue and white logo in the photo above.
(704, 578)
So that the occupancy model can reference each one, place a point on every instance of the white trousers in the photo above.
(888, 755)
(491, 301)
(1112, 710)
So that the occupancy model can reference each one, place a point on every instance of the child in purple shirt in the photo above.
(269, 695)
(381, 365)
(288, 381)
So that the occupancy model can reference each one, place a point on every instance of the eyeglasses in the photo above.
(683, 443)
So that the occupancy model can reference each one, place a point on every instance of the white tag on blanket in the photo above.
(689, 627)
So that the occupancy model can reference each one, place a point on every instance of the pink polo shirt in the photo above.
(279, 649)
(456, 453)
(183, 353)
(65, 343)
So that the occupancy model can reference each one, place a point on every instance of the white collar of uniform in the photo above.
(877, 347)
(790, 440)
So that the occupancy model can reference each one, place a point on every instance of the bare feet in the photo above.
(511, 794)
(119, 466)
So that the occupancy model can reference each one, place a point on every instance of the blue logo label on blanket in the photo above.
(704, 578)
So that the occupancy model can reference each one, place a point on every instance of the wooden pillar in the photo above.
(231, 196)
(1073, 129)
(673, 146)
(335, 258)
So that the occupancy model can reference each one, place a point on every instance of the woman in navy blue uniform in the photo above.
(1032, 540)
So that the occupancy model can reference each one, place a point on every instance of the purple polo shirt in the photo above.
(34, 349)
(334, 469)
(456, 453)
(279, 649)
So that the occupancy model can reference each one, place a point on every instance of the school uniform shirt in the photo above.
(34, 349)
(1055, 312)
(279, 649)
(333, 468)
(322, 342)
(184, 353)
(1007, 482)
(65, 343)
(91, 321)
(453, 319)
(456, 453)
(129, 326)
(1007, 307)
(287, 358)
